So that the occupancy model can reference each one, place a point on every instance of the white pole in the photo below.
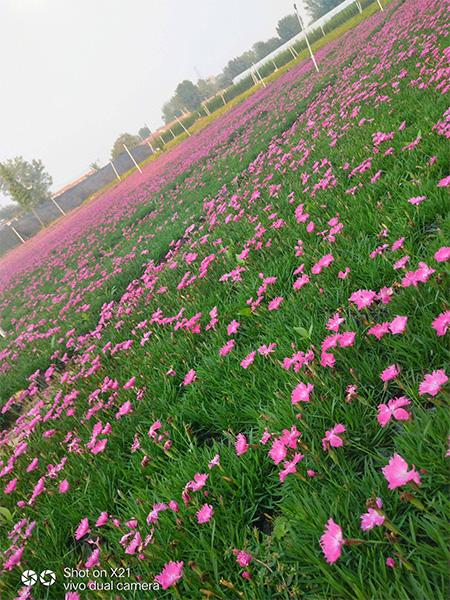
(275, 65)
(58, 206)
(306, 37)
(117, 174)
(174, 136)
(293, 52)
(358, 4)
(183, 126)
(206, 110)
(260, 78)
(151, 147)
(138, 167)
(18, 235)
(379, 4)
(223, 99)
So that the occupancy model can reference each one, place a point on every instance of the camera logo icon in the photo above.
(47, 578)
(28, 577)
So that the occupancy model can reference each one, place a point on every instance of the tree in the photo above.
(287, 27)
(188, 95)
(95, 166)
(9, 212)
(262, 49)
(318, 8)
(129, 140)
(32, 176)
(18, 192)
(144, 132)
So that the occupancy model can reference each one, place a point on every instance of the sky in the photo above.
(75, 74)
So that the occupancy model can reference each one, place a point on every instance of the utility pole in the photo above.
(57, 205)
(131, 156)
(183, 126)
(115, 171)
(306, 37)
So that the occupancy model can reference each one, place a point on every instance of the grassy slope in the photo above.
(203, 418)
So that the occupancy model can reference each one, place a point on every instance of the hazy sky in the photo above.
(75, 74)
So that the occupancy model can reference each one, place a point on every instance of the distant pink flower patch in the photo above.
(442, 323)
(64, 486)
(332, 438)
(393, 409)
(205, 513)
(416, 200)
(275, 304)
(241, 444)
(442, 254)
(390, 373)
(398, 325)
(397, 474)
(247, 361)
(331, 541)
(301, 393)
(232, 327)
(433, 383)
(362, 298)
(190, 376)
(82, 529)
(371, 519)
(172, 572)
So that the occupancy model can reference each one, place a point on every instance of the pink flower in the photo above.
(82, 529)
(278, 451)
(332, 438)
(347, 339)
(92, 561)
(13, 560)
(433, 383)
(171, 573)
(124, 409)
(344, 274)
(334, 323)
(392, 409)
(190, 376)
(241, 444)
(401, 263)
(64, 486)
(362, 298)
(390, 562)
(205, 513)
(152, 431)
(379, 330)
(416, 200)
(199, 481)
(11, 486)
(289, 466)
(265, 350)
(266, 436)
(442, 254)
(32, 465)
(274, 305)
(331, 541)
(397, 474)
(442, 323)
(301, 281)
(129, 383)
(398, 244)
(227, 348)
(390, 373)
(247, 361)
(232, 327)
(243, 558)
(214, 462)
(398, 325)
(102, 520)
(370, 519)
(301, 393)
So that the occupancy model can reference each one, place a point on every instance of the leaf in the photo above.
(5, 513)
(280, 528)
(245, 312)
(302, 331)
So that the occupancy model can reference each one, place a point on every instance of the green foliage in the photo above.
(31, 176)
(16, 190)
(287, 27)
(318, 8)
(128, 139)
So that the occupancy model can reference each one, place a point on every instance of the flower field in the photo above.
(228, 377)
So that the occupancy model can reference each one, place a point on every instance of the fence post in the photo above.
(132, 158)
(117, 174)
